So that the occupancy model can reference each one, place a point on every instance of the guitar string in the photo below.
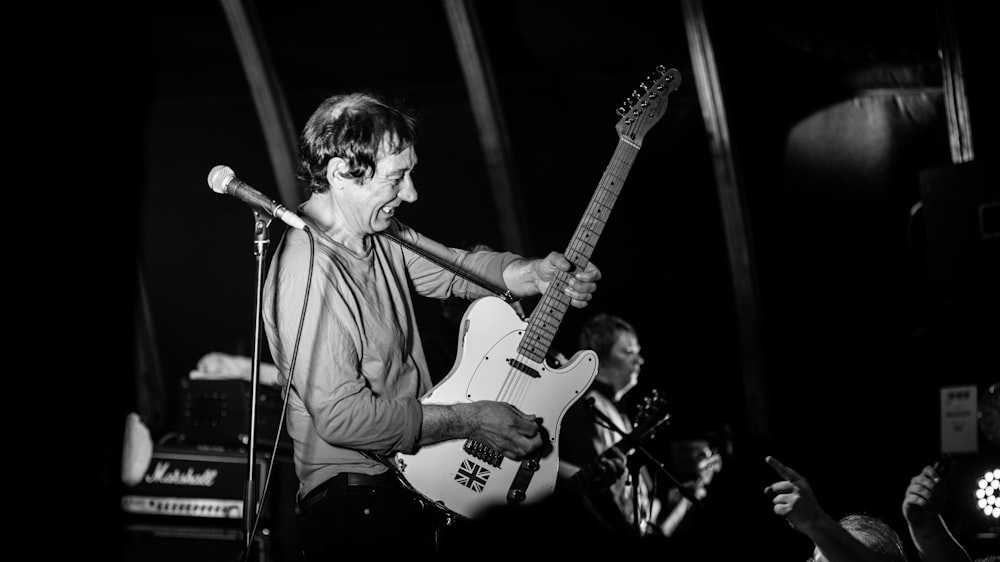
(509, 380)
(606, 196)
(518, 389)
(576, 243)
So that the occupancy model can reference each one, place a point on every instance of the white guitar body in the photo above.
(469, 484)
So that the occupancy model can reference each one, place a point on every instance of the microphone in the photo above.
(222, 179)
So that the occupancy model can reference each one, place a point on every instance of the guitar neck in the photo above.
(552, 307)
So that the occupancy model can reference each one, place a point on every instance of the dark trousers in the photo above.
(365, 516)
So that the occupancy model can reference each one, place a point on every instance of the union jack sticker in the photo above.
(472, 476)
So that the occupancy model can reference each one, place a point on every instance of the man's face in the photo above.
(624, 360)
(373, 202)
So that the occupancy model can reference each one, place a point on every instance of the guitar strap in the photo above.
(502, 293)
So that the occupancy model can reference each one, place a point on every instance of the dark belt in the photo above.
(345, 480)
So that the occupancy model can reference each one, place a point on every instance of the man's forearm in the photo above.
(443, 422)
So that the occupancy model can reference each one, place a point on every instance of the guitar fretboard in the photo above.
(549, 313)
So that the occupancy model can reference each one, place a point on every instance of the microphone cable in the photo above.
(248, 547)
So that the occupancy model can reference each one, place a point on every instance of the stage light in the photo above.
(987, 493)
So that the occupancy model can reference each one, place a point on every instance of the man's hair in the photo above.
(600, 332)
(876, 535)
(360, 128)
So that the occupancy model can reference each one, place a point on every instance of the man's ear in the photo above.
(337, 171)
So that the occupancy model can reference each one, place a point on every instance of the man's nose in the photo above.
(409, 191)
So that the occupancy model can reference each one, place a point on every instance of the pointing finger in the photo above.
(781, 469)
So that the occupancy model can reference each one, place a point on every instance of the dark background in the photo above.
(836, 116)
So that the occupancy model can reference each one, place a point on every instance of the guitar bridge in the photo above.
(483, 452)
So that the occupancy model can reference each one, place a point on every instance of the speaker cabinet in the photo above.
(961, 206)
(163, 543)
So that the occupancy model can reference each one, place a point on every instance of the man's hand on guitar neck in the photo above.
(526, 277)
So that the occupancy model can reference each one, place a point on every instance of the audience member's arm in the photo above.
(922, 511)
(794, 500)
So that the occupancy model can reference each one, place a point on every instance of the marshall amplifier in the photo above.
(189, 505)
(187, 485)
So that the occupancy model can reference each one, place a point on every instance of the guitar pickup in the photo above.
(530, 371)
(483, 452)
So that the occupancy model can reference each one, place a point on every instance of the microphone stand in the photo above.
(261, 239)
(628, 442)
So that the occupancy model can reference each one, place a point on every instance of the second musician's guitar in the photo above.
(502, 358)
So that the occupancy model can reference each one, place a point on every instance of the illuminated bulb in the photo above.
(988, 493)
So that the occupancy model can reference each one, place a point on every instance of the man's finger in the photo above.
(781, 469)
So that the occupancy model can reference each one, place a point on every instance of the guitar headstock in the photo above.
(647, 104)
(651, 414)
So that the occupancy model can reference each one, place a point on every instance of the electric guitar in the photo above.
(502, 358)
(596, 475)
